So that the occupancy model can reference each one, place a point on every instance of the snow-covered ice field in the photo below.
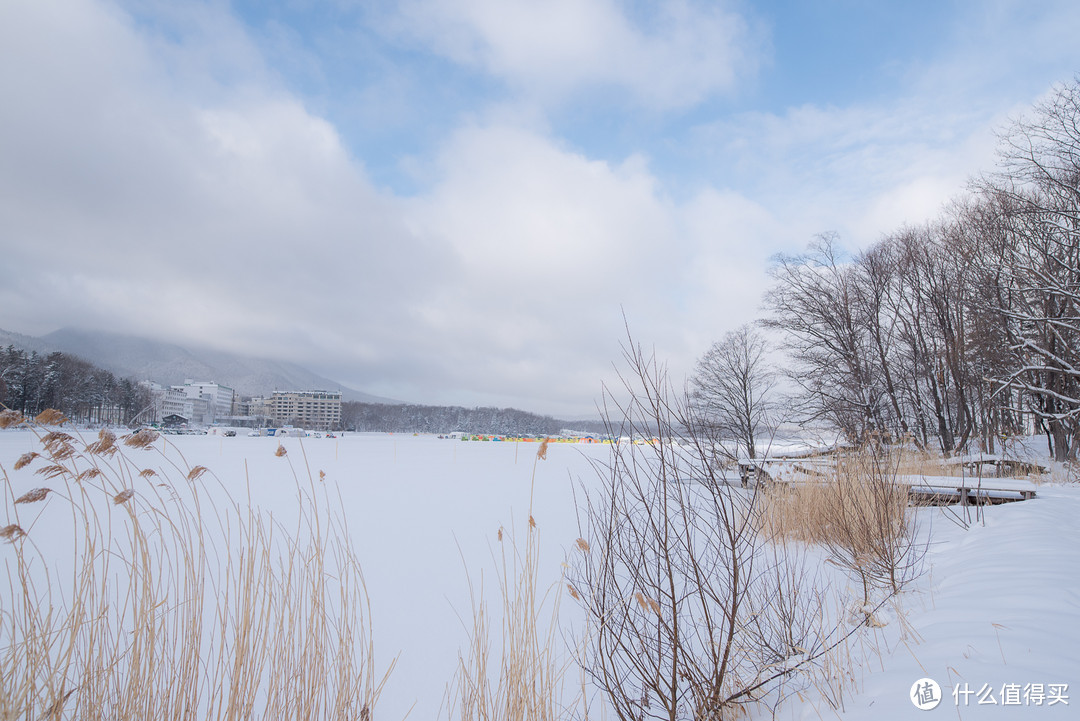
(998, 609)
(424, 514)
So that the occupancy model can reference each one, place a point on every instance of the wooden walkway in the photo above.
(945, 491)
(922, 490)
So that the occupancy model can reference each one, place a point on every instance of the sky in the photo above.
(477, 202)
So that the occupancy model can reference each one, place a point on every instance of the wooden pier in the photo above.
(965, 495)
(1002, 487)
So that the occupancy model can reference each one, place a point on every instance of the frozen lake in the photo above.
(997, 607)
(424, 515)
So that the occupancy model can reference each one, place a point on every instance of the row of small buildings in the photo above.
(205, 403)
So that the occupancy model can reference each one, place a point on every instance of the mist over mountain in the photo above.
(24, 342)
(169, 364)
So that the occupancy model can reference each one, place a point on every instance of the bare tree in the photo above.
(931, 306)
(897, 340)
(733, 389)
(691, 611)
(818, 301)
(1038, 187)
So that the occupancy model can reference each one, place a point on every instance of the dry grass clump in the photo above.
(129, 598)
(859, 512)
(794, 511)
(914, 462)
(820, 510)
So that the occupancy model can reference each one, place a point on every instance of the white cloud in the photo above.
(148, 205)
(868, 167)
(179, 208)
(168, 185)
(552, 248)
(243, 223)
(680, 54)
(548, 244)
(861, 170)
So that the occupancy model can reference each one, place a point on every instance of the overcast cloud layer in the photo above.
(456, 202)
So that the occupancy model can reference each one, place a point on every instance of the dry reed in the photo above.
(141, 439)
(859, 511)
(25, 460)
(196, 473)
(50, 417)
(33, 496)
(171, 600)
(525, 682)
(10, 418)
(88, 474)
(104, 445)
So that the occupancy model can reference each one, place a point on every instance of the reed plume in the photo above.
(9, 418)
(25, 460)
(33, 496)
(50, 417)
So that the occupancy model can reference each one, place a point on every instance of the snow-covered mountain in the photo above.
(167, 363)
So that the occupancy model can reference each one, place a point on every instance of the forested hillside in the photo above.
(445, 419)
(31, 382)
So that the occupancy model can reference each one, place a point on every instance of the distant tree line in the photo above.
(30, 383)
(406, 418)
(949, 333)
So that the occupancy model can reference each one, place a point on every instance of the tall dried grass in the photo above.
(523, 680)
(135, 595)
(857, 515)
(859, 512)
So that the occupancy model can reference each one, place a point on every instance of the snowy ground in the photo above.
(998, 614)
(1000, 605)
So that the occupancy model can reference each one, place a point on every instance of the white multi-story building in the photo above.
(198, 402)
(201, 402)
(174, 401)
(317, 410)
